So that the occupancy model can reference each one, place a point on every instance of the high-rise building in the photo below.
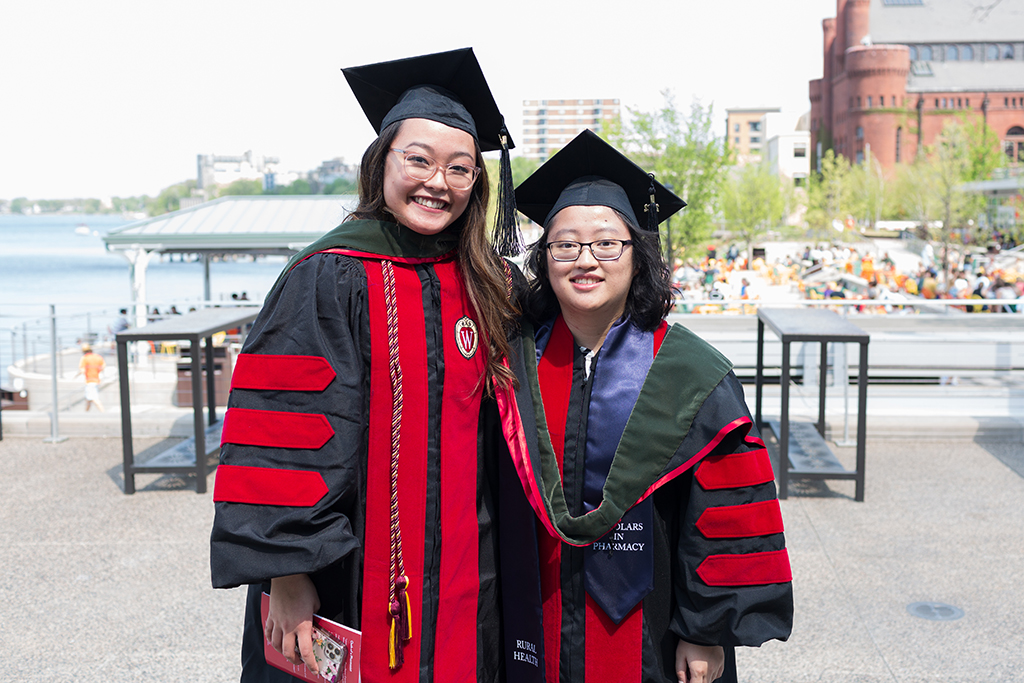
(896, 71)
(745, 133)
(548, 125)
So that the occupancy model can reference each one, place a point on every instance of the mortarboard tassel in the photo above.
(507, 240)
(652, 209)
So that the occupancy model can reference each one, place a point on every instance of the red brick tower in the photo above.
(876, 84)
(867, 98)
(821, 95)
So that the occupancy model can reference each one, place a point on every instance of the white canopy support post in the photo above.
(138, 259)
(206, 277)
(55, 436)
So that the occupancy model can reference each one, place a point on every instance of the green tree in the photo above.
(915, 187)
(930, 189)
(868, 190)
(824, 143)
(686, 156)
(300, 186)
(830, 193)
(342, 186)
(954, 159)
(522, 168)
(241, 187)
(752, 201)
(123, 204)
(169, 198)
(982, 147)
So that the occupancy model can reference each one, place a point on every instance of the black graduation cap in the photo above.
(590, 172)
(447, 87)
(450, 88)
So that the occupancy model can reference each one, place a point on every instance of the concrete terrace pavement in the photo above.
(100, 586)
(117, 586)
(942, 522)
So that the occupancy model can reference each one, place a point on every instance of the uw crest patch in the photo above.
(466, 337)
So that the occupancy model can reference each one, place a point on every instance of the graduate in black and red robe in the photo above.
(640, 485)
(358, 467)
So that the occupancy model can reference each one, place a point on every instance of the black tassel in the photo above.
(652, 209)
(507, 239)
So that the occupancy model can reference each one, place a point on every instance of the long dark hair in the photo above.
(482, 271)
(650, 293)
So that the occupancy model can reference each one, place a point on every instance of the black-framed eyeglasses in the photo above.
(603, 250)
(419, 166)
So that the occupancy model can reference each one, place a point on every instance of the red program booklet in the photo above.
(335, 647)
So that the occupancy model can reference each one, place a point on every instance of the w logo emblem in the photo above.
(466, 337)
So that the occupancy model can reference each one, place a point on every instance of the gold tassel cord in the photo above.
(401, 623)
(392, 657)
(399, 613)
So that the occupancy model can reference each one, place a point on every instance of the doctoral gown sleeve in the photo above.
(733, 579)
(265, 526)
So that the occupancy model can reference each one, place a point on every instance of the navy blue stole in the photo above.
(618, 567)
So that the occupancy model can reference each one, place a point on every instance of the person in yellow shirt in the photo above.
(91, 365)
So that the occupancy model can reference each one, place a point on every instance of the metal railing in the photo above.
(880, 306)
(40, 353)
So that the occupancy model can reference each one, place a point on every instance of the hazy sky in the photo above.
(117, 97)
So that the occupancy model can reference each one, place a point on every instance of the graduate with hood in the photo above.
(357, 465)
(641, 534)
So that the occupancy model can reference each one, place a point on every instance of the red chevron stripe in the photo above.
(268, 486)
(753, 569)
(733, 470)
(741, 521)
(275, 429)
(281, 373)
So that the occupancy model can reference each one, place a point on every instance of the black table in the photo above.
(811, 458)
(191, 327)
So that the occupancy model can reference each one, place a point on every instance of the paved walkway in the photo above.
(100, 586)
(942, 522)
(118, 586)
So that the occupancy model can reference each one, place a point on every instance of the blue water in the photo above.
(44, 261)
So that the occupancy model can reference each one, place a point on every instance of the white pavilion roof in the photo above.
(245, 224)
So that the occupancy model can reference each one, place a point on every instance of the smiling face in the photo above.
(588, 290)
(427, 206)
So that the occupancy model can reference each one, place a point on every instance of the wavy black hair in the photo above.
(650, 294)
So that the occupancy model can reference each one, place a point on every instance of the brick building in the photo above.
(549, 125)
(895, 71)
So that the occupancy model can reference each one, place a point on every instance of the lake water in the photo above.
(44, 261)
